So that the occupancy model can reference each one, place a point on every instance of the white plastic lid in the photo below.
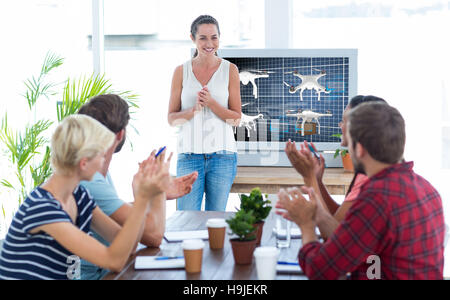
(216, 223)
(192, 244)
(266, 252)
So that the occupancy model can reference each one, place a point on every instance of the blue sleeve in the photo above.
(103, 193)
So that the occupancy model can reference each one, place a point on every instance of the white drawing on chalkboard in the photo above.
(248, 122)
(309, 82)
(308, 116)
(251, 76)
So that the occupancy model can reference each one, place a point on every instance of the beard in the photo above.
(358, 166)
(119, 147)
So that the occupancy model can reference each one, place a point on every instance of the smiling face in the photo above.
(206, 39)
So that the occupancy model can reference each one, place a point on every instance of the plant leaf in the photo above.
(7, 184)
(51, 62)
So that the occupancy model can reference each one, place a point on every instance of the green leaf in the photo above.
(337, 135)
(25, 147)
(78, 91)
(336, 153)
(36, 87)
(43, 171)
(342, 152)
(242, 225)
(51, 62)
(7, 184)
(255, 202)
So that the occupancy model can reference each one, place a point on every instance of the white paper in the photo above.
(178, 236)
(149, 262)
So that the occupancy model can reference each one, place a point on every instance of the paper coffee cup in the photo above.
(193, 255)
(266, 262)
(216, 232)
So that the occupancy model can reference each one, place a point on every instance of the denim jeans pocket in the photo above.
(189, 156)
(228, 155)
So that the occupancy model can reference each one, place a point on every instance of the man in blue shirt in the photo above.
(112, 111)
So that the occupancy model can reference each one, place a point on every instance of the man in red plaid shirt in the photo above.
(394, 230)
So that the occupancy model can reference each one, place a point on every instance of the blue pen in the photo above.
(168, 257)
(160, 151)
(314, 152)
(288, 263)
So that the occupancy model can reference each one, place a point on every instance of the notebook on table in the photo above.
(179, 236)
(150, 262)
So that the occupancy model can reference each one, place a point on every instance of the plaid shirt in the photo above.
(397, 216)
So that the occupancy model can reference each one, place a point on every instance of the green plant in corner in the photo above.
(23, 148)
(78, 91)
(37, 86)
(255, 202)
(28, 149)
(342, 152)
(242, 225)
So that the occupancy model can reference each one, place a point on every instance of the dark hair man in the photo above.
(112, 111)
(394, 230)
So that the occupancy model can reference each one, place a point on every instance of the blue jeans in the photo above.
(216, 172)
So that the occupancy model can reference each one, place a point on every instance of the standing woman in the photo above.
(205, 102)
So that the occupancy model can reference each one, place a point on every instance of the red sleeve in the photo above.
(360, 235)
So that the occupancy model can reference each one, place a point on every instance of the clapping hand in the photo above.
(204, 97)
(152, 177)
(304, 162)
(297, 208)
(300, 210)
(181, 186)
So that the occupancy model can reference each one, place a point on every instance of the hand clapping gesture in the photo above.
(304, 162)
(301, 211)
(152, 177)
(181, 186)
(204, 97)
(297, 208)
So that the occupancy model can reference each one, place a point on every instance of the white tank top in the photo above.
(205, 132)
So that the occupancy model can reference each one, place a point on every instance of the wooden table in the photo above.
(217, 264)
(271, 179)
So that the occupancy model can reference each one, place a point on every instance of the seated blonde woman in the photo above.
(49, 233)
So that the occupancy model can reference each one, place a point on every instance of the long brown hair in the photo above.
(203, 19)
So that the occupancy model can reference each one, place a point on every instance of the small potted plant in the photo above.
(255, 202)
(244, 245)
(346, 159)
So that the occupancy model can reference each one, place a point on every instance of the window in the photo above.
(30, 29)
(402, 57)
